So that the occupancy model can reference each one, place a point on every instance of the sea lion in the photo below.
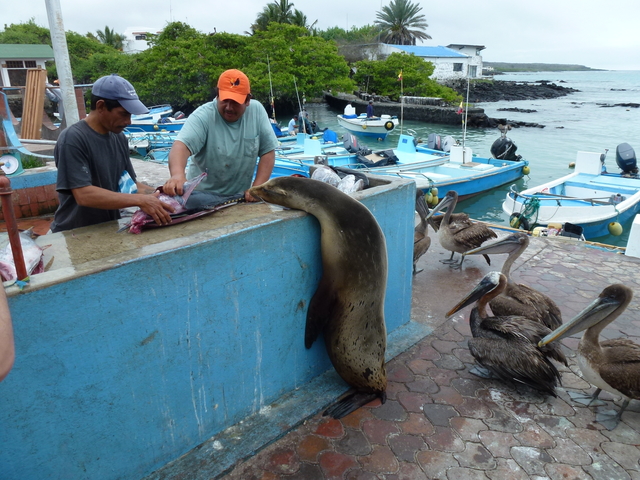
(348, 305)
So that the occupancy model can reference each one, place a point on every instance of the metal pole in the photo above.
(63, 64)
(12, 226)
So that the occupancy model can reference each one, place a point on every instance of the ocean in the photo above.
(581, 121)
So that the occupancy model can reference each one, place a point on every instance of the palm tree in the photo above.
(110, 37)
(401, 24)
(281, 11)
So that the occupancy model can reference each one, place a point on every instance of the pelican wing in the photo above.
(474, 235)
(522, 300)
(620, 367)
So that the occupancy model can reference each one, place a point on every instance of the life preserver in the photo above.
(517, 220)
(388, 125)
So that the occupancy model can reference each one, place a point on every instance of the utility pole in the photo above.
(63, 64)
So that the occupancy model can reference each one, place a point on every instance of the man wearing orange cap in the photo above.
(224, 137)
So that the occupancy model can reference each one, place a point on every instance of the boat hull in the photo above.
(586, 200)
(378, 128)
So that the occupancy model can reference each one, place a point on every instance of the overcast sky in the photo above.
(598, 34)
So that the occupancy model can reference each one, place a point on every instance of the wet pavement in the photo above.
(442, 422)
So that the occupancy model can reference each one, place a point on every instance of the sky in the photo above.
(593, 33)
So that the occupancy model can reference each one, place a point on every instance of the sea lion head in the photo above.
(293, 192)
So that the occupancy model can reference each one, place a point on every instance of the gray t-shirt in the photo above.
(85, 157)
(228, 152)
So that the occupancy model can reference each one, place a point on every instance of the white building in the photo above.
(452, 61)
(16, 59)
(136, 38)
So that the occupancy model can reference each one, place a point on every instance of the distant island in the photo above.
(505, 67)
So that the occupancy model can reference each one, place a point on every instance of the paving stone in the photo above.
(359, 474)
(334, 464)
(476, 456)
(310, 446)
(393, 389)
(498, 443)
(444, 346)
(445, 440)
(622, 434)
(436, 464)
(560, 471)
(448, 396)
(603, 467)
(306, 472)
(567, 451)
(381, 460)
(330, 428)
(503, 422)
(405, 446)
(355, 418)
(628, 456)
(535, 436)
(413, 401)
(474, 408)
(466, 387)
(399, 373)
(377, 430)
(417, 424)
(439, 415)
(449, 335)
(508, 469)
(556, 406)
(419, 366)
(587, 438)
(283, 461)
(427, 352)
(442, 376)
(461, 473)
(532, 460)
(523, 411)
(423, 385)
(407, 471)
(449, 362)
(468, 428)
(353, 443)
(556, 426)
(391, 411)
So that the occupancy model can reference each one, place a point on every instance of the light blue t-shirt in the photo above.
(227, 151)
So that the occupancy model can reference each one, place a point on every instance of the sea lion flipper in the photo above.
(321, 309)
(351, 402)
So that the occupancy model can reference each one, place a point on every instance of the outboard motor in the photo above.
(350, 143)
(434, 141)
(626, 158)
(504, 149)
(447, 143)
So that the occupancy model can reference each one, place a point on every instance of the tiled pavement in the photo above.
(441, 422)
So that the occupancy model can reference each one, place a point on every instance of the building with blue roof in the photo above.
(451, 62)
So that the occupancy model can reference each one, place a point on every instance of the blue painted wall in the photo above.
(124, 370)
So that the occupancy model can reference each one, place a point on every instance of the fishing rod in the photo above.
(301, 114)
(273, 100)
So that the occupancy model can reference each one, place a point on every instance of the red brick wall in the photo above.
(33, 202)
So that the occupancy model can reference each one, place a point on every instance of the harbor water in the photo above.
(593, 119)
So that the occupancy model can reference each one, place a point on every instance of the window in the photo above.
(30, 64)
(15, 64)
(473, 71)
(457, 67)
(141, 36)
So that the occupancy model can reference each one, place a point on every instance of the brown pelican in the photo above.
(611, 365)
(507, 346)
(519, 299)
(461, 235)
(421, 239)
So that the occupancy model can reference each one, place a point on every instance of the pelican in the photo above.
(519, 299)
(421, 239)
(611, 365)
(507, 346)
(459, 235)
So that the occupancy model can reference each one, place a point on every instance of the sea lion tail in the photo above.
(351, 402)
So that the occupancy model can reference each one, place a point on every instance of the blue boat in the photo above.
(590, 198)
(158, 119)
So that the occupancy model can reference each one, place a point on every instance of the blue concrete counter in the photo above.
(134, 349)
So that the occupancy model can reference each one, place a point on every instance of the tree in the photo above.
(381, 76)
(401, 24)
(110, 37)
(281, 11)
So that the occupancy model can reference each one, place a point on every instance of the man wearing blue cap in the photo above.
(94, 168)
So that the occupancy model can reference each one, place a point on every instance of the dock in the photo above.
(441, 422)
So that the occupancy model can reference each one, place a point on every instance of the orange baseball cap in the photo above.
(234, 85)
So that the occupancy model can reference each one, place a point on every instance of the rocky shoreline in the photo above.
(498, 90)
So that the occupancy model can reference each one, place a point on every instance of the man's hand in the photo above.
(174, 186)
(250, 198)
(155, 208)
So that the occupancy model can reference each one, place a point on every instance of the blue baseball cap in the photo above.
(114, 87)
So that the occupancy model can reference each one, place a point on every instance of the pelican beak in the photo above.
(593, 314)
(506, 244)
(444, 203)
(484, 287)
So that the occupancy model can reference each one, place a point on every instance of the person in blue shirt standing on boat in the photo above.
(95, 175)
(370, 113)
(224, 137)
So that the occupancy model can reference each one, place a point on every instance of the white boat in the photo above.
(591, 198)
(377, 127)
(159, 118)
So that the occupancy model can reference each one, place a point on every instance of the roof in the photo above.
(422, 51)
(23, 51)
(462, 45)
